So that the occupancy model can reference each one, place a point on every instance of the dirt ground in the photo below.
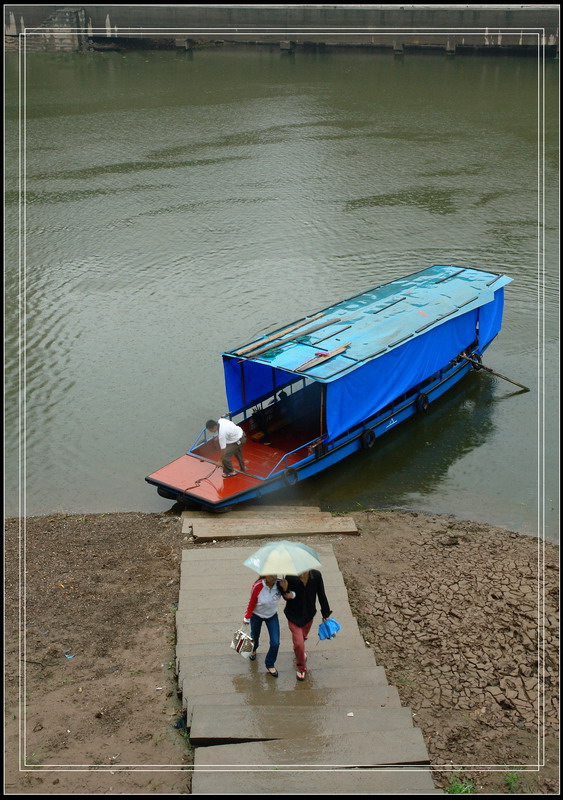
(463, 616)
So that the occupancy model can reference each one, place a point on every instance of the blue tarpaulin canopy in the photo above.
(374, 347)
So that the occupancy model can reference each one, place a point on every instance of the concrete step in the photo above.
(231, 580)
(386, 781)
(215, 564)
(191, 604)
(234, 615)
(196, 616)
(225, 724)
(235, 603)
(189, 600)
(268, 528)
(214, 558)
(378, 748)
(210, 650)
(241, 513)
(194, 631)
(238, 579)
(232, 666)
(221, 595)
(348, 698)
(317, 524)
(239, 582)
(321, 678)
(221, 588)
(325, 678)
(234, 569)
(232, 663)
(231, 592)
(211, 554)
(207, 569)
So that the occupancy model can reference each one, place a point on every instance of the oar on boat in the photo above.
(488, 369)
(313, 362)
(278, 335)
(293, 338)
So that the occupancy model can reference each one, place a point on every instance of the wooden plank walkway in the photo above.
(271, 522)
(255, 734)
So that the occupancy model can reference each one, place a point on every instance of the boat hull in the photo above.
(196, 480)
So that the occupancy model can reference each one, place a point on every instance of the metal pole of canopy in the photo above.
(323, 390)
(242, 383)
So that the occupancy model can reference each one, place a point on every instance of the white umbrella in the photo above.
(283, 558)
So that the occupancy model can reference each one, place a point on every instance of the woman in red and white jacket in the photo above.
(262, 607)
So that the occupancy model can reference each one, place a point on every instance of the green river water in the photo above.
(177, 204)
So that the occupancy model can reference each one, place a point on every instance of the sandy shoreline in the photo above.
(463, 616)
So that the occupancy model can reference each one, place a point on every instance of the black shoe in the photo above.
(274, 674)
(252, 657)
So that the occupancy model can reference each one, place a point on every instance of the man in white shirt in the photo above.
(231, 439)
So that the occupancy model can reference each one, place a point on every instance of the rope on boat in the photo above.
(199, 480)
(206, 477)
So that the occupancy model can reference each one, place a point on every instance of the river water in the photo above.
(179, 204)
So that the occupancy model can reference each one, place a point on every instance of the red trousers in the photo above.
(299, 636)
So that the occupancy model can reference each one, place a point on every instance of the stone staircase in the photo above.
(253, 733)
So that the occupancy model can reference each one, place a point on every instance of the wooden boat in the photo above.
(315, 391)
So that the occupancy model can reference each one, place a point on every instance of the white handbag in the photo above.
(242, 643)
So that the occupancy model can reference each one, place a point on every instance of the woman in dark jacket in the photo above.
(302, 592)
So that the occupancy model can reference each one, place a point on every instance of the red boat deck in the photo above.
(199, 478)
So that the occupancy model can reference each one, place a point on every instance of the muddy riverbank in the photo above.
(463, 616)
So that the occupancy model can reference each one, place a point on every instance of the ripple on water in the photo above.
(197, 220)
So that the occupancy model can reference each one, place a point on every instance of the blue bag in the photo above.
(328, 629)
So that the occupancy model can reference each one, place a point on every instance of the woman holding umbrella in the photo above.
(262, 607)
(300, 608)
(300, 588)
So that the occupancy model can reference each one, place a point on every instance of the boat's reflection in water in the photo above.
(415, 457)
